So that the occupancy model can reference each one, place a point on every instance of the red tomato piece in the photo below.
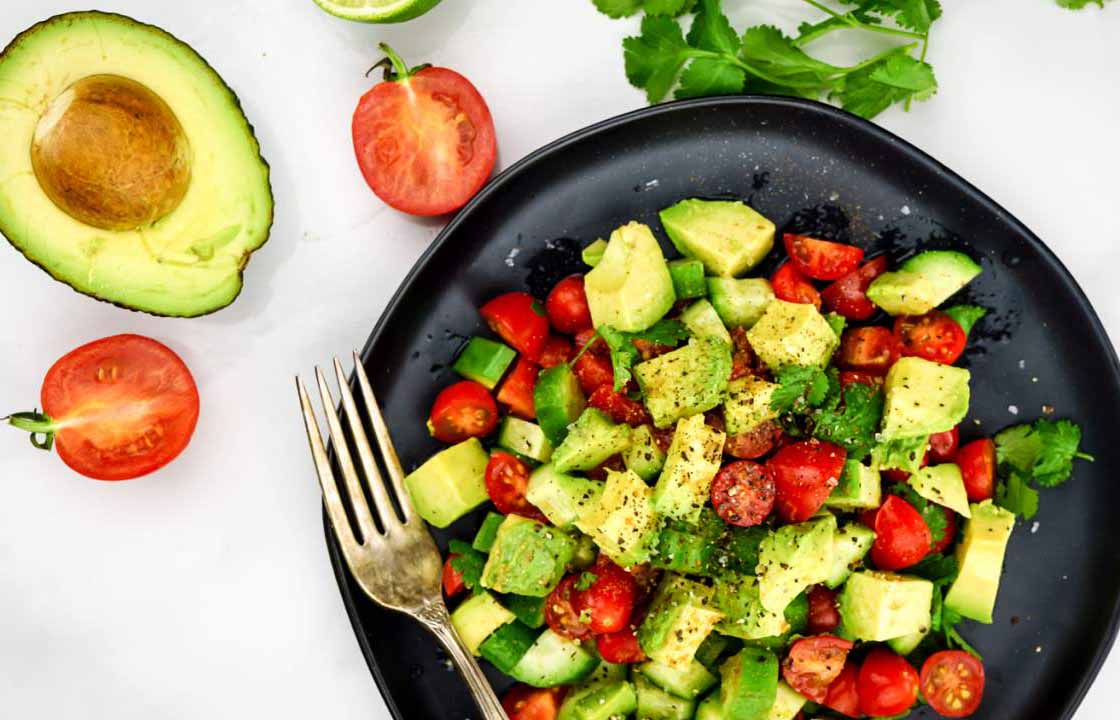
(824, 614)
(743, 493)
(516, 391)
(598, 345)
(425, 140)
(821, 259)
(608, 601)
(901, 476)
(567, 306)
(867, 349)
(755, 443)
(593, 372)
(848, 377)
(743, 359)
(462, 411)
(620, 647)
(523, 702)
(934, 336)
(507, 479)
(848, 295)
(790, 285)
(942, 544)
(887, 684)
(943, 446)
(952, 682)
(520, 320)
(902, 537)
(452, 578)
(648, 350)
(560, 613)
(804, 473)
(813, 663)
(977, 461)
(557, 351)
(620, 408)
(843, 696)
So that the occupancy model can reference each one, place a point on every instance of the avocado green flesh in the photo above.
(189, 262)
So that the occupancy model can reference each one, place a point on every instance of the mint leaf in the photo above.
(654, 58)
(966, 315)
(895, 78)
(1016, 495)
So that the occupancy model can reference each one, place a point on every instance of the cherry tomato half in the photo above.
(516, 391)
(977, 461)
(620, 647)
(934, 336)
(790, 285)
(887, 684)
(867, 349)
(518, 319)
(462, 411)
(620, 408)
(754, 443)
(824, 614)
(843, 696)
(593, 372)
(608, 601)
(943, 446)
(902, 537)
(560, 613)
(523, 702)
(743, 360)
(804, 473)
(942, 544)
(425, 140)
(743, 493)
(567, 306)
(848, 295)
(821, 259)
(507, 479)
(813, 663)
(557, 351)
(952, 683)
(452, 578)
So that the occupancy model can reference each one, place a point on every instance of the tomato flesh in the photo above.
(804, 475)
(518, 319)
(934, 336)
(620, 408)
(977, 461)
(813, 664)
(523, 702)
(821, 259)
(943, 445)
(887, 684)
(753, 444)
(849, 377)
(866, 349)
(790, 285)
(952, 683)
(843, 696)
(507, 480)
(516, 391)
(620, 647)
(463, 410)
(425, 144)
(743, 359)
(824, 614)
(567, 306)
(593, 371)
(743, 493)
(452, 578)
(557, 351)
(608, 601)
(942, 544)
(560, 613)
(848, 295)
(902, 537)
(124, 406)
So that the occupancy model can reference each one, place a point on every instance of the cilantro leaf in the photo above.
(663, 332)
(668, 7)
(1017, 447)
(901, 453)
(1042, 452)
(1080, 4)
(854, 427)
(966, 315)
(468, 562)
(936, 568)
(710, 76)
(1016, 495)
(654, 58)
(626, 8)
(777, 60)
(895, 78)
(623, 355)
(916, 15)
(711, 30)
(930, 512)
(586, 580)
(799, 387)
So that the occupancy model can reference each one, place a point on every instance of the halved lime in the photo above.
(377, 11)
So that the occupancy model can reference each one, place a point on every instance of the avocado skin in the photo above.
(63, 18)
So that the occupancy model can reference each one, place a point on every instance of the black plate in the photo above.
(837, 175)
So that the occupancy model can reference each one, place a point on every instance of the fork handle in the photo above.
(484, 696)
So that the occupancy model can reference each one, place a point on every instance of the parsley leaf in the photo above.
(1016, 495)
(966, 315)
(654, 58)
(468, 562)
(854, 427)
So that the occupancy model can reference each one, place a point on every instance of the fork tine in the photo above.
(381, 502)
(335, 509)
(384, 441)
(346, 463)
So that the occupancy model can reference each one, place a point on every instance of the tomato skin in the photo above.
(943, 445)
(946, 540)
(753, 444)
(127, 406)
(522, 702)
(866, 349)
(824, 615)
(507, 479)
(452, 578)
(560, 613)
(593, 371)
(518, 319)
(849, 377)
(557, 351)
(463, 410)
(620, 647)
(934, 336)
(425, 144)
(848, 295)
(516, 391)
(790, 285)
(952, 682)
(804, 473)
(902, 537)
(887, 684)
(743, 493)
(743, 359)
(813, 663)
(620, 408)
(977, 461)
(567, 306)
(843, 697)
(609, 601)
(821, 259)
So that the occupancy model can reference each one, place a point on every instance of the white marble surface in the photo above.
(204, 591)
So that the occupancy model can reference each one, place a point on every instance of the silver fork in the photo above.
(399, 567)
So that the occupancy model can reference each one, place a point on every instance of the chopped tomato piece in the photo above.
(943, 445)
(821, 259)
(462, 411)
(452, 578)
(507, 480)
(843, 697)
(519, 320)
(952, 683)
(743, 493)
(824, 615)
(867, 349)
(753, 444)
(934, 336)
(649, 350)
(620, 408)
(567, 306)
(977, 461)
(557, 351)
(902, 537)
(790, 285)
(942, 544)
(743, 360)
(887, 684)
(620, 647)
(605, 596)
(593, 371)
(516, 391)
(560, 613)
(848, 295)
(848, 377)
(523, 702)
(813, 663)
(805, 473)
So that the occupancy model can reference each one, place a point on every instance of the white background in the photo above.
(204, 591)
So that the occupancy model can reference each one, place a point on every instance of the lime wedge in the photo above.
(377, 11)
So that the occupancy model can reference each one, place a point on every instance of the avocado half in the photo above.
(128, 170)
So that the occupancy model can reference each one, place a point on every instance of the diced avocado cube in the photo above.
(750, 684)
(524, 438)
(878, 606)
(851, 544)
(792, 558)
(792, 334)
(656, 704)
(644, 456)
(623, 522)
(477, 618)
(905, 454)
(630, 288)
(586, 553)
(684, 550)
(605, 700)
(484, 361)
(701, 320)
(450, 484)
(787, 703)
(714, 647)
(507, 645)
(709, 708)
(942, 484)
(686, 381)
(528, 557)
(528, 610)
(558, 400)
(691, 464)
(689, 683)
(554, 660)
(836, 321)
(748, 404)
(907, 643)
(737, 598)
(488, 532)
(729, 237)
(860, 488)
(591, 440)
(923, 398)
(680, 616)
(593, 253)
(688, 278)
(947, 271)
(902, 293)
(980, 557)
(740, 303)
(561, 497)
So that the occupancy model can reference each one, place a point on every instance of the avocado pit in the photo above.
(110, 153)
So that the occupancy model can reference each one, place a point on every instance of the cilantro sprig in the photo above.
(624, 354)
(802, 388)
(852, 426)
(1039, 454)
